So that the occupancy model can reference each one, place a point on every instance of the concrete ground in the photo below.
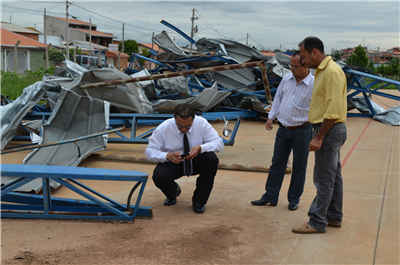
(231, 231)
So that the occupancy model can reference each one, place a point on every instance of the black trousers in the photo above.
(205, 164)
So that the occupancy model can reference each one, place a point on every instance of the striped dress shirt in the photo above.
(292, 100)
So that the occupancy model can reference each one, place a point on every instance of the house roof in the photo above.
(75, 21)
(32, 28)
(9, 38)
(16, 28)
(114, 54)
(148, 45)
(97, 33)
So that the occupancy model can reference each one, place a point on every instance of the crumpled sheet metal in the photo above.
(74, 69)
(236, 78)
(172, 50)
(390, 116)
(126, 96)
(74, 116)
(12, 113)
(203, 101)
(148, 87)
(175, 85)
(240, 52)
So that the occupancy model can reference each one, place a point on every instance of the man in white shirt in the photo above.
(166, 146)
(290, 107)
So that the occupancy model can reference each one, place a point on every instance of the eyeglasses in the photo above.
(294, 66)
(186, 127)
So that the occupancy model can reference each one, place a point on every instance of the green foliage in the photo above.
(337, 56)
(12, 84)
(392, 70)
(145, 53)
(54, 55)
(358, 58)
(71, 53)
(130, 46)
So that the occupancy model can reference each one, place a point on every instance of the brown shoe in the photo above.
(305, 229)
(334, 224)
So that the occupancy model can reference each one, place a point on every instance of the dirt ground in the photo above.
(231, 231)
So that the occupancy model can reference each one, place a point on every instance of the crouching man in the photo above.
(185, 145)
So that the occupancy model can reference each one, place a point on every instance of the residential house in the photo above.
(29, 54)
(21, 30)
(77, 30)
(149, 47)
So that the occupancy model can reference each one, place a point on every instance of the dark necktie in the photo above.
(187, 163)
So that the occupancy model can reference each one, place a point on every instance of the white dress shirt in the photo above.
(167, 138)
(292, 100)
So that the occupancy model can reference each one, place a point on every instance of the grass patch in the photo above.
(13, 84)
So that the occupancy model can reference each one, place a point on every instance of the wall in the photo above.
(36, 60)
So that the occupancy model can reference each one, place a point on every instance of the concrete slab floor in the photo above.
(231, 231)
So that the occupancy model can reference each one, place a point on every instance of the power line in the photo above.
(40, 11)
(201, 17)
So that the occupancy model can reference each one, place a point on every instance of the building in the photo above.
(29, 54)
(20, 30)
(77, 30)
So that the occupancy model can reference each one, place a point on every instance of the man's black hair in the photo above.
(312, 42)
(184, 111)
(297, 53)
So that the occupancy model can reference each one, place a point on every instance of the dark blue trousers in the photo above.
(286, 140)
(205, 164)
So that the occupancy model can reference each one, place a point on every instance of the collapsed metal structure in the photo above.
(222, 79)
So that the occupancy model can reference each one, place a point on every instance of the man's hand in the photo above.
(194, 151)
(315, 145)
(268, 125)
(174, 157)
(316, 142)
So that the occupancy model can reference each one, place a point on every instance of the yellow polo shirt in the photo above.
(329, 96)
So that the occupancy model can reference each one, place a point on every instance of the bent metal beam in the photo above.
(260, 64)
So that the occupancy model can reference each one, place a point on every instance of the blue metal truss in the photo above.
(363, 83)
(97, 207)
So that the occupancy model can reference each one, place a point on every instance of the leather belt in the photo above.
(293, 127)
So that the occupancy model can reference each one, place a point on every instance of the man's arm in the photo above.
(316, 142)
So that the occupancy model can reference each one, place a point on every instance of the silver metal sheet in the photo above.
(390, 116)
(175, 85)
(12, 113)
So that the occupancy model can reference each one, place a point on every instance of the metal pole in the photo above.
(44, 28)
(191, 32)
(62, 141)
(123, 38)
(67, 29)
(260, 64)
(47, 56)
(16, 56)
(220, 165)
(90, 37)
(75, 53)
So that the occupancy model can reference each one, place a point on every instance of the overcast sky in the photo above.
(269, 24)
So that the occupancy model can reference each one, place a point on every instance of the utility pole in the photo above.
(123, 44)
(152, 42)
(191, 33)
(44, 28)
(247, 39)
(379, 57)
(90, 36)
(67, 29)
(280, 48)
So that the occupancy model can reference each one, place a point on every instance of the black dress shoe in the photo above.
(261, 202)
(293, 206)
(198, 207)
(169, 202)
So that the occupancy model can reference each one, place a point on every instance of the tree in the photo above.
(130, 46)
(394, 67)
(71, 53)
(337, 56)
(358, 58)
(55, 56)
(145, 53)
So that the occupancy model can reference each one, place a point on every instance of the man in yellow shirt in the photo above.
(327, 113)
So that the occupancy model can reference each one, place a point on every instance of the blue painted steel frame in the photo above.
(45, 207)
(134, 120)
(358, 84)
